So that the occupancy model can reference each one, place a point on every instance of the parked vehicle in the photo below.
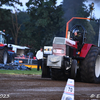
(6, 54)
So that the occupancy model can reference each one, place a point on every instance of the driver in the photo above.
(77, 37)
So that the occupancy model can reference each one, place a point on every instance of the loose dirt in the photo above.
(33, 87)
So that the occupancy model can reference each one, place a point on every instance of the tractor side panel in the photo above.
(85, 49)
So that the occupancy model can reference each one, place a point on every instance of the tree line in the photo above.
(43, 20)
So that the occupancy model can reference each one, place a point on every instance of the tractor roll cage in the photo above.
(67, 25)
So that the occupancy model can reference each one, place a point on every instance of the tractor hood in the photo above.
(62, 40)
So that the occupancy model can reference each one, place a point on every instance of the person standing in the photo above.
(39, 56)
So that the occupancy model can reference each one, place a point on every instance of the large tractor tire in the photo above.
(58, 74)
(3, 56)
(90, 66)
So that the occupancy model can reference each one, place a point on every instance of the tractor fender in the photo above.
(85, 49)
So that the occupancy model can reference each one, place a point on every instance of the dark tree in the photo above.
(9, 2)
(45, 23)
(5, 20)
(77, 8)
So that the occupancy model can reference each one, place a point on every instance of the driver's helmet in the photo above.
(75, 30)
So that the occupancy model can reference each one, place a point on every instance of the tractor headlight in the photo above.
(58, 51)
(54, 50)
(62, 51)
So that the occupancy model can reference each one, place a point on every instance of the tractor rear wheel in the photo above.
(3, 56)
(90, 66)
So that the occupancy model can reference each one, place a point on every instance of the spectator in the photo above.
(39, 56)
(30, 54)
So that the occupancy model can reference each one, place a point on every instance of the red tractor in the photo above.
(70, 61)
(6, 54)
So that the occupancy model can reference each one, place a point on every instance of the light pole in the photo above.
(91, 8)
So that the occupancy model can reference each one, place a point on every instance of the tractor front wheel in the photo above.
(45, 70)
(58, 74)
(73, 69)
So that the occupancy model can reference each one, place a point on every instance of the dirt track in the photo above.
(32, 87)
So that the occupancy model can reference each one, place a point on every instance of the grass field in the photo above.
(26, 72)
